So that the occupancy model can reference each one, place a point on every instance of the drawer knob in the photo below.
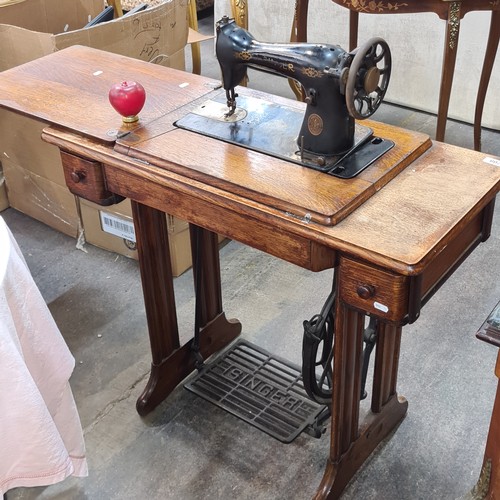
(366, 291)
(77, 177)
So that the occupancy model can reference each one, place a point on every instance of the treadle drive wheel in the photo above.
(317, 353)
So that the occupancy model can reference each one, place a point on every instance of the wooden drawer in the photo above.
(85, 178)
(374, 291)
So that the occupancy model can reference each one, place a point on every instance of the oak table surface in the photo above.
(403, 226)
(391, 252)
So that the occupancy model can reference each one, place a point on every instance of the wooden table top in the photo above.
(70, 88)
(401, 227)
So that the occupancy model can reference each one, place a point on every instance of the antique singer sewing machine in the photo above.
(340, 87)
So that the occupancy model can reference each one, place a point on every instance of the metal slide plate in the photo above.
(273, 129)
(259, 388)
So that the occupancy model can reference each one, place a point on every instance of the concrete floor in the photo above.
(189, 449)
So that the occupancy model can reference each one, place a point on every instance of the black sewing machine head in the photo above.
(339, 86)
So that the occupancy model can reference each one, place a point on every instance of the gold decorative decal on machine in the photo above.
(315, 124)
(454, 22)
(312, 73)
(244, 56)
(373, 6)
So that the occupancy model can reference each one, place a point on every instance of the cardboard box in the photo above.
(41, 199)
(21, 144)
(111, 228)
(27, 32)
(33, 28)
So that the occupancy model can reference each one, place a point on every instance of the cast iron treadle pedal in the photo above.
(259, 388)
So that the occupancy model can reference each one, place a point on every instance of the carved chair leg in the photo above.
(117, 5)
(195, 47)
(239, 11)
(449, 60)
(299, 34)
(489, 59)
(353, 29)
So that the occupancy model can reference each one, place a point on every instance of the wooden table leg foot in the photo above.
(375, 428)
(170, 372)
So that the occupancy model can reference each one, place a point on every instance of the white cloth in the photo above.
(41, 439)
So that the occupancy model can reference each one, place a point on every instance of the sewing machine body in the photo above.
(327, 128)
(339, 86)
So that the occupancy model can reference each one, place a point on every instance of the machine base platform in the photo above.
(260, 388)
(273, 129)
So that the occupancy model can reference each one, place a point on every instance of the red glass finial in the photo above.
(127, 98)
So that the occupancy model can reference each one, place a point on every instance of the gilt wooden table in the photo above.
(392, 246)
(452, 11)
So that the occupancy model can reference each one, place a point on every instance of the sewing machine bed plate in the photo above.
(273, 129)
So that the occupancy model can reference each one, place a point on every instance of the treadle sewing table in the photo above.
(394, 233)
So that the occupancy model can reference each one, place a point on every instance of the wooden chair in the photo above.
(452, 12)
(239, 11)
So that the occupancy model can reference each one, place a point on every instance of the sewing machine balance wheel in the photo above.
(368, 78)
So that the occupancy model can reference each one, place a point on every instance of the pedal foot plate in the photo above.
(260, 388)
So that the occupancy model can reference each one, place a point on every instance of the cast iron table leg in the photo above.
(171, 362)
